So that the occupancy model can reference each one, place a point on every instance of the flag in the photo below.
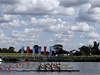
(33, 50)
(39, 50)
(28, 50)
(22, 50)
(45, 49)
(50, 50)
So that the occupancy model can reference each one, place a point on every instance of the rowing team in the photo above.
(49, 66)
(16, 66)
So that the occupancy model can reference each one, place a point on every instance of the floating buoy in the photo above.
(27, 63)
(22, 64)
(9, 68)
(1, 68)
(17, 65)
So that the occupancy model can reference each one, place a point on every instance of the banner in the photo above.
(28, 50)
(22, 50)
(50, 50)
(39, 50)
(45, 48)
(33, 50)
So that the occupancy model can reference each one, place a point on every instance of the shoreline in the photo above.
(51, 59)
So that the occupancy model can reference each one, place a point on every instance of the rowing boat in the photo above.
(39, 71)
(42, 67)
(53, 66)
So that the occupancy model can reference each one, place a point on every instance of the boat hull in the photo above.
(39, 70)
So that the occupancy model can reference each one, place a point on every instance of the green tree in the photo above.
(11, 49)
(95, 48)
(78, 53)
(58, 49)
(85, 49)
(4, 50)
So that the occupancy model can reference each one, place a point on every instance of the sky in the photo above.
(72, 23)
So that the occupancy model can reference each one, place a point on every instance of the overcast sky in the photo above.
(72, 23)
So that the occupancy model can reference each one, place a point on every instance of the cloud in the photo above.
(81, 27)
(46, 21)
(29, 22)
(89, 14)
(89, 17)
(37, 7)
(95, 3)
(95, 10)
(5, 41)
(97, 25)
(50, 24)
(27, 35)
(93, 35)
(14, 23)
(72, 3)
(61, 39)
(9, 2)
(2, 35)
(18, 38)
(7, 18)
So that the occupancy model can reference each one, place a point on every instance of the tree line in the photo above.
(58, 50)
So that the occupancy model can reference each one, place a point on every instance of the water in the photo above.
(86, 68)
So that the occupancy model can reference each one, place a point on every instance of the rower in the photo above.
(40, 66)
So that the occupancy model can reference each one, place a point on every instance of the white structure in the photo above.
(1, 60)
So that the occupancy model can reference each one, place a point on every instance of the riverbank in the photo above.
(46, 58)
(53, 59)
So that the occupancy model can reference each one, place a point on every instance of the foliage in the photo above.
(9, 50)
(95, 48)
(58, 49)
(85, 49)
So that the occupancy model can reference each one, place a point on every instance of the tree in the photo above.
(78, 53)
(11, 49)
(71, 52)
(60, 52)
(95, 49)
(58, 49)
(85, 49)
(4, 50)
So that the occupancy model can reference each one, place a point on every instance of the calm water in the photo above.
(86, 68)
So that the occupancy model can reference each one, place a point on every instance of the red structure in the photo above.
(45, 48)
(28, 50)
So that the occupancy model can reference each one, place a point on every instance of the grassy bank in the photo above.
(95, 58)
(17, 55)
